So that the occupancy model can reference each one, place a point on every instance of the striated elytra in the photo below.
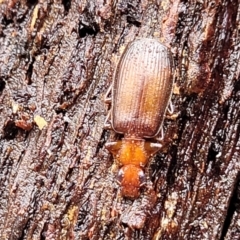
(140, 94)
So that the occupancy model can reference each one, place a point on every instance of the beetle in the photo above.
(140, 95)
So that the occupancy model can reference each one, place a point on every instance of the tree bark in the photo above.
(57, 180)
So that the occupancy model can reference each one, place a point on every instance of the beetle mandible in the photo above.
(140, 94)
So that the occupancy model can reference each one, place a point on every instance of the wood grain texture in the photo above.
(56, 62)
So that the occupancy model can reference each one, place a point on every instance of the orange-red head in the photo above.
(131, 178)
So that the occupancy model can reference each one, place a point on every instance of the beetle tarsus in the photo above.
(107, 97)
(107, 124)
(170, 109)
(160, 137)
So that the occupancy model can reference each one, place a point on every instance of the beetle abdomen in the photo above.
(142, 88)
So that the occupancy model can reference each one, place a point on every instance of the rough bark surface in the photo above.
(57, 180)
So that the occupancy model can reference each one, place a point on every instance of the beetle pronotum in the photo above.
(140, 94)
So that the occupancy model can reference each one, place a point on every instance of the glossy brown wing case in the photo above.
(142, 89)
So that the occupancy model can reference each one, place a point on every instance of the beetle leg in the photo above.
(114, 147)
(171, 115)
(107, 123)
(152, 148)
(170, 109)
(160, 136)
(107, 97)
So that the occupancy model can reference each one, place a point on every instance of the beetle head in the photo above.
(131, 178)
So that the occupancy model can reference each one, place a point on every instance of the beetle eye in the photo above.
(120, 176)
(142, 178)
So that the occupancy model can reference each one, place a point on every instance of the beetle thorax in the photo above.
(132, 152)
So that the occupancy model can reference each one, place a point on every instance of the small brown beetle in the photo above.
(141, 90)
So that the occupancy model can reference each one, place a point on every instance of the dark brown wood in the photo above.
(57, 180)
